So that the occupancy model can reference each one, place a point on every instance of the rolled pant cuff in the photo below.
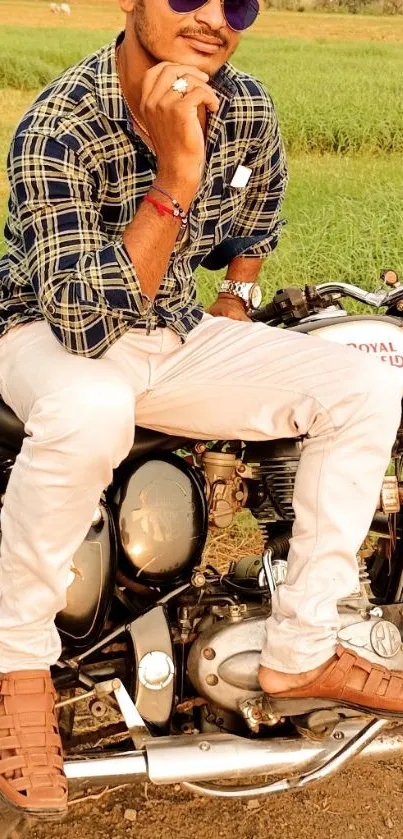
(292, 663)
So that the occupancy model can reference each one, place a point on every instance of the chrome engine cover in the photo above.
(224, 660)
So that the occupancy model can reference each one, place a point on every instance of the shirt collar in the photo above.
(109, 93)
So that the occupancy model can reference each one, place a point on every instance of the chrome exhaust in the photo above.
(193, 759)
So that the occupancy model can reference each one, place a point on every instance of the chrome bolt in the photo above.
(212, 680)
(338, 735)
(204, 746)
(209, 653)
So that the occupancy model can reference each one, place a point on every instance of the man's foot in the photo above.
(273, 681)
(31, 758)
(346, 679)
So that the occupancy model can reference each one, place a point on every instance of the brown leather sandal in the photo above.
(349, 681)
(32, 780)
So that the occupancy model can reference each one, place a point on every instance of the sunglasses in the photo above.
(239, 14)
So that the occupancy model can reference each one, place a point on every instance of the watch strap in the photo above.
(238, 289)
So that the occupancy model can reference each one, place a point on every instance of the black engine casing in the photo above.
(161, 519)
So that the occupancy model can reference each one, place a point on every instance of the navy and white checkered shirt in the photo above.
(78, 172)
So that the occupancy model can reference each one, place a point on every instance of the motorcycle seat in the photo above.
(12, 433)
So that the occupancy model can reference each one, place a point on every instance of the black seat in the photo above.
(12, 434)
(11, 428)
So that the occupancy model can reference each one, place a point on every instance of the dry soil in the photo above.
(364, 802)
(106, 14)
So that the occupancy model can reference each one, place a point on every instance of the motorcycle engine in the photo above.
(162, 520)
(224, 660)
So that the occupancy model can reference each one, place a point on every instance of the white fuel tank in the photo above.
(381, 337)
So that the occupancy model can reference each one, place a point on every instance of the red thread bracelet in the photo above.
(177, 212)
(159, 206)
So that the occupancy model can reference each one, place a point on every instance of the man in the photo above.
(120, 177)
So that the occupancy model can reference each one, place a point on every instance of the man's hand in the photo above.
(229, 306)
(172, 120)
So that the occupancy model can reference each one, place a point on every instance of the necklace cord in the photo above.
(134, 118)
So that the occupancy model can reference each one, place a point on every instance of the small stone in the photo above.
(388, 822)
(177, 787)
(130, 815)
(253, 804)
(351, 827)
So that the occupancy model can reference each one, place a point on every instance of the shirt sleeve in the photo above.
(86, 285)
(258, 218)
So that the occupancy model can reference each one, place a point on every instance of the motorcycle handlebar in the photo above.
(371, 298)
(266, 313)
(376, 299)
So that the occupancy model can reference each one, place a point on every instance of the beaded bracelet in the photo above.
(178, 211)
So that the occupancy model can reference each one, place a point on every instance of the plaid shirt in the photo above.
(78, 173)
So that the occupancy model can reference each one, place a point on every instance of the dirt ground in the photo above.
(106, 14)
(364, 802)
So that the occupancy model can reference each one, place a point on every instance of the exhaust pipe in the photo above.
(186, 759)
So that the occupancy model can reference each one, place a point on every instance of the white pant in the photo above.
(231, 378)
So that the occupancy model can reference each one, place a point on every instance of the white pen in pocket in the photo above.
(241, 177)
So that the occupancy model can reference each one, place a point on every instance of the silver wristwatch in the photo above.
(250, 293)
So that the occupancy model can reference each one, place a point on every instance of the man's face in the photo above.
(201, 38)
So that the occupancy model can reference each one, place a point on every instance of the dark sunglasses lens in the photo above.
(240, 14)
(184, 6)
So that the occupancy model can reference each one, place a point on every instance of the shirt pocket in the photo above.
(232, 200)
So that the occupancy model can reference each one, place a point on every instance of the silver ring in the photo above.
(181, 85)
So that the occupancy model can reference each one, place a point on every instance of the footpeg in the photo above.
(257, 712)
(295, 707)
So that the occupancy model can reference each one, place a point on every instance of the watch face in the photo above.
(255, 298)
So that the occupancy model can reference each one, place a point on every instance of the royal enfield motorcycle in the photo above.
(163, 649)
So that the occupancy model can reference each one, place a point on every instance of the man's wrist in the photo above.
(248, 292)
(223, 295)
(182, 187)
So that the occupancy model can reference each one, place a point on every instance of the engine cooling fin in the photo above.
(277, 477)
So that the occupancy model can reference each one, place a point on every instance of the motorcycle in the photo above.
(163, 650)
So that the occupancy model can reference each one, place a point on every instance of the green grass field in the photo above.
(330, 97)
(339, 105)
(345, 222)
